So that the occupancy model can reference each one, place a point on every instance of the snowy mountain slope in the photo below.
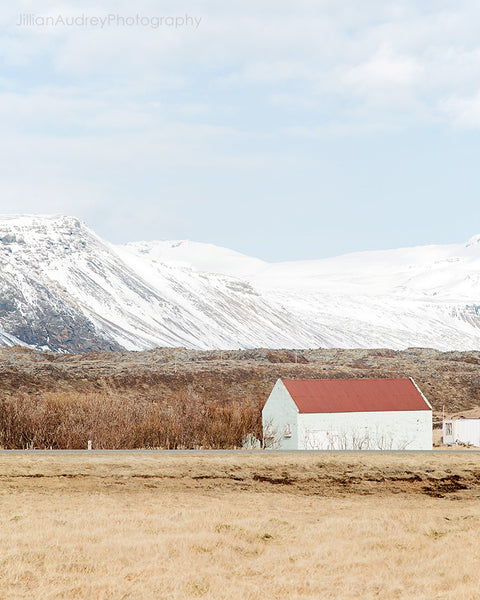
(451, 271)
(199, 256)
(62, 287)
(7, 340)
(423, 296)
(427, 296)
(60, 279)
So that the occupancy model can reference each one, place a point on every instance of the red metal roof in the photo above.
(354, 395)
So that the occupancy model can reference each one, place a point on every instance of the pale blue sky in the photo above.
(284, 130)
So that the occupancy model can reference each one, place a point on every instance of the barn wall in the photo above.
(279, 412)
(389, 430)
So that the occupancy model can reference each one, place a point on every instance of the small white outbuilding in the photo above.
(347, 414)
(461, 431)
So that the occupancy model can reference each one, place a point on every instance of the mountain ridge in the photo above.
(64, 288)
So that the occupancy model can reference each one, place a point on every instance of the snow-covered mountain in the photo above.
(62, 287)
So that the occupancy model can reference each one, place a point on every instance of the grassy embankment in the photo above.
(239, 526)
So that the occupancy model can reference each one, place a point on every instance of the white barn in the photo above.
(347, 414)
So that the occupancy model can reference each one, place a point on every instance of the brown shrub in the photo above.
(112, 420)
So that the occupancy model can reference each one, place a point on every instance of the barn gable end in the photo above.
(279, 417)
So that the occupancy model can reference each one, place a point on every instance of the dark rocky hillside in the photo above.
(448, 379)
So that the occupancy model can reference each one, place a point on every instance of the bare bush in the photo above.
(114, 420)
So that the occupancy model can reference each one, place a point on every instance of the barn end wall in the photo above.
(279, 412)
(388, 430)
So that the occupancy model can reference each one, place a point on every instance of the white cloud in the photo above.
(463, 112)
(271, 73)
(384, 69)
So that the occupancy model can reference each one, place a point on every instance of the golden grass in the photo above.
(143, 526)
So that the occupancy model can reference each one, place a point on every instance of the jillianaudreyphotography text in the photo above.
(109, 20)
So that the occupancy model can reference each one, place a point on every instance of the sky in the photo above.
(284, 130)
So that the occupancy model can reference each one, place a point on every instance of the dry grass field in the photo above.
(151, 526)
